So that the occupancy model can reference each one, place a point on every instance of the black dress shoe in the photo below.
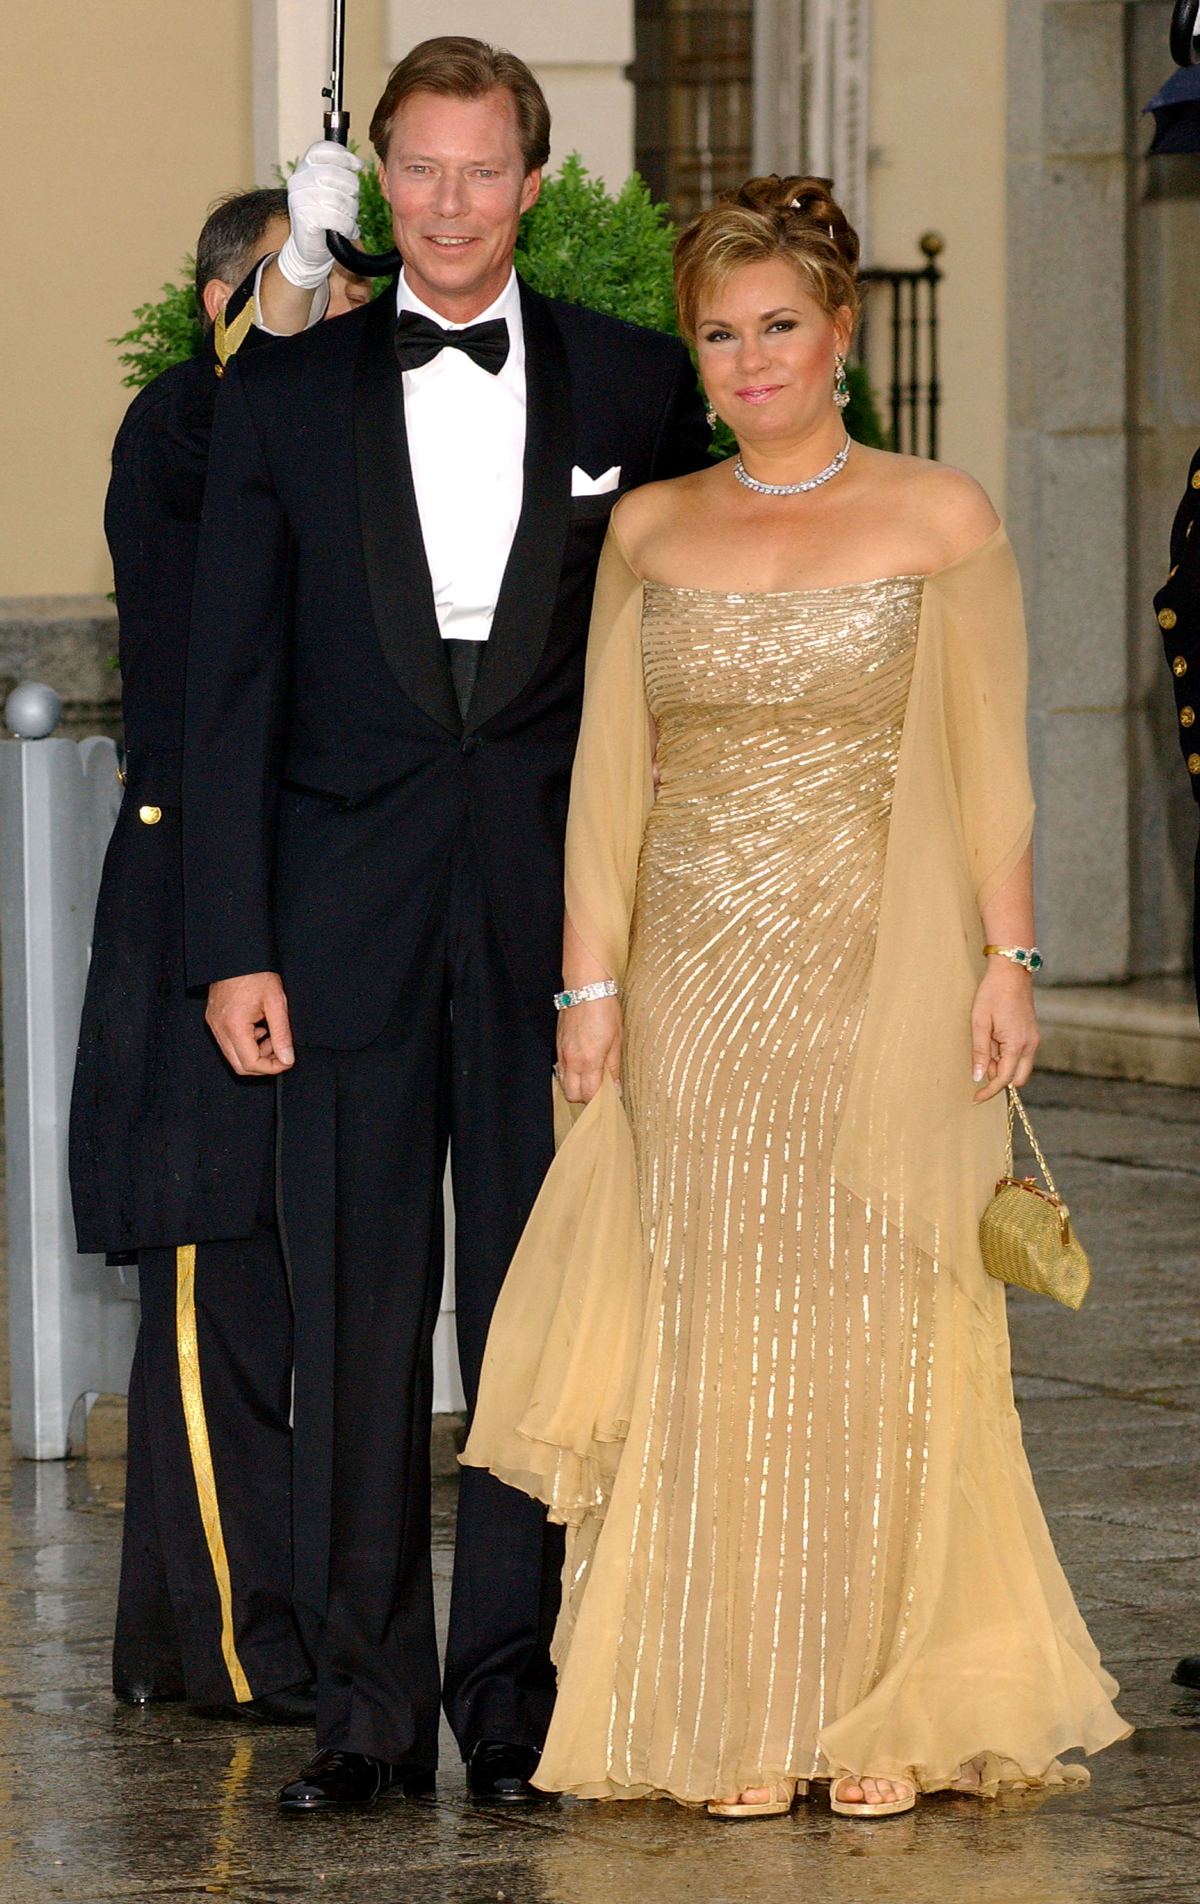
(137, 1692)
(500, 1774)
(290, 1706)
(334, 1781)
(1187, 1673)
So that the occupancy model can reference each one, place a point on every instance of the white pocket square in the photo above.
(584, 485)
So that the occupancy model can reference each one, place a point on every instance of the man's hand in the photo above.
(322, 196)
(248, 1017)
(589, 1044)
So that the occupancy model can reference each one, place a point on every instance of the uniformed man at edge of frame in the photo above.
(1177, 606)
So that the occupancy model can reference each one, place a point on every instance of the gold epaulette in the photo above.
(229, 338)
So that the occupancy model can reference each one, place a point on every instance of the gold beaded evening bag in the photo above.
(1025, 1233)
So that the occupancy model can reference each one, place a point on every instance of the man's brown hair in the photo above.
(462, 68)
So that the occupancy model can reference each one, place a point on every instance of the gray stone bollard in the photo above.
(447, 1379)
(72, 1320)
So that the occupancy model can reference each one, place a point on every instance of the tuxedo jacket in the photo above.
(327, 766)
(167, 1146)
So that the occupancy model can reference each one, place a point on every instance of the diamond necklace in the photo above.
(794, 489)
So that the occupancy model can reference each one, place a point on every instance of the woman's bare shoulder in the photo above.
(952, 510)
(642, 514)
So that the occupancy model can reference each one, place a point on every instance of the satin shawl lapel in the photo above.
(397, 570)
(530, 586)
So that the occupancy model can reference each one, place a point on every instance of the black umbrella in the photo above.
(363, 264)
(1176, 109)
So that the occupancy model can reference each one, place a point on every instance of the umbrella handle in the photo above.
(1184, 50)
(367, 264)
(371, 264)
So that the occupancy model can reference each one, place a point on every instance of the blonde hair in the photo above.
(793, 218)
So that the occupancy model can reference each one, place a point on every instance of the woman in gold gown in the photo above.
(747, 1350)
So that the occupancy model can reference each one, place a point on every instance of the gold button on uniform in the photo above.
(1187, 716)
(1196, 480)
(1166, 618)
(1179, 665)
(1194, 763)
(149, 816)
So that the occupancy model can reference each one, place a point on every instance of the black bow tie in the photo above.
(418, 340)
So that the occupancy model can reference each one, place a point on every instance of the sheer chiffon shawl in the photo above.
(559, 1371)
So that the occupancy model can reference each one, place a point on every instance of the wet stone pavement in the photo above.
(97, 1802)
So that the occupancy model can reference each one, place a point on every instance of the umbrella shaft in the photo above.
(334, 92)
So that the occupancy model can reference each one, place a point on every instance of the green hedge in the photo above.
(579, 244)
(163, 334)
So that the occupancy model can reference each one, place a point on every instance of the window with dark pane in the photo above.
(693, 79)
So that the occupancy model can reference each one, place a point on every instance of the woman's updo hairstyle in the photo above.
(793, 218)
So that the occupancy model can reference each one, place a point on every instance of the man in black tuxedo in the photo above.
(401, 534)
(172, 1157)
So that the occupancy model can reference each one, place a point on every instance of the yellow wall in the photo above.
(367, 67)
(163, 89)
(137, 113)
(939, 143)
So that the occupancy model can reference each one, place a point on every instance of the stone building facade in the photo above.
(1070, 373)
(1104, 416)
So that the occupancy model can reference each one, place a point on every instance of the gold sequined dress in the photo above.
(778, 1585)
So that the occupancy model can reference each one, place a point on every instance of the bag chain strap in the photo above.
(1017, 1109)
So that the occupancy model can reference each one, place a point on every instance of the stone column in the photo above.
(291, 56)
(579, 50)
(811, 86)
(1068, 505)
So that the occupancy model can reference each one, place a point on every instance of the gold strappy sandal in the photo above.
(864, 1810)
(783, 1797)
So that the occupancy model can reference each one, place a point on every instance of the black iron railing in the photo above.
(914, 391)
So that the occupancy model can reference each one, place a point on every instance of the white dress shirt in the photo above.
(466, 442)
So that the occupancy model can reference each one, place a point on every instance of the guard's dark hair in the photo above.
(462, 68)
(232, 234)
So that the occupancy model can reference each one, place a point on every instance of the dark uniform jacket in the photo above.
(1177, 606)
(167, 1146)
(314, 618)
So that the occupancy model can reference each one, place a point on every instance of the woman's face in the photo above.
(766, 351)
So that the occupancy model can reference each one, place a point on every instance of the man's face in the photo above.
(456, 182)
(346, 292)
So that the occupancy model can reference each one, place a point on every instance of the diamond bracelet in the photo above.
(603, 988)
(1026, 955)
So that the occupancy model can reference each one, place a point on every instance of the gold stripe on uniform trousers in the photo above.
(188, 1345)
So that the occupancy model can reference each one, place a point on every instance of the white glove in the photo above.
(322, 196)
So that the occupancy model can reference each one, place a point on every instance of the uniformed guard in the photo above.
(1177, 606)
(172, 1156)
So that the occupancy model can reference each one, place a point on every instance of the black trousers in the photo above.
(364, 1148)
(205, 1604)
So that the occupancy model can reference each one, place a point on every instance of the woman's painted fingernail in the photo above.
(977, 1074)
